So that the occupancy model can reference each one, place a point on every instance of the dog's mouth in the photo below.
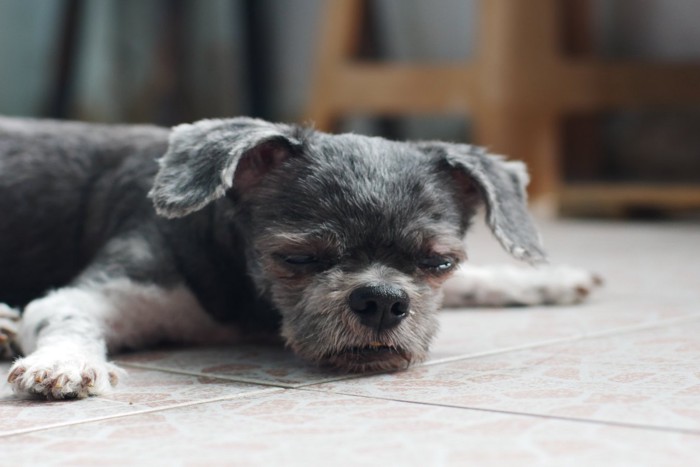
(371, 357)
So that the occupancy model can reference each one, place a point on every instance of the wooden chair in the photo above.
(516, 90)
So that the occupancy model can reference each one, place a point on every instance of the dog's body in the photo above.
(339, 243)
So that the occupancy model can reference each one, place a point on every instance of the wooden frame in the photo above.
(516, 89)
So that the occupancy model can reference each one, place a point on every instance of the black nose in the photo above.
(380, 307)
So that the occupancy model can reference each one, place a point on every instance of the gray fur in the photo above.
(502, 185)
(201, 160)
(66, 191)
(234, 200)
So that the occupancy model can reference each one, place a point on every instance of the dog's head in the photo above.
(350, 237)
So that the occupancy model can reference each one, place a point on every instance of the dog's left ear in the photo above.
(501, 185)
(207, 158)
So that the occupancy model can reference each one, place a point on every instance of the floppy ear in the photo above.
(501, 185)
(208, 157)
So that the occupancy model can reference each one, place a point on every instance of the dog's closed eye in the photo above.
(299, 260)
(300, 264)
(436, 264)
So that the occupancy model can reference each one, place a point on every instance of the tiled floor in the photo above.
(613, 382)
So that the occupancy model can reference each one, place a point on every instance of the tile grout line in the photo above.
(574, 338)
(540, 344)
(685, 431)
(236, 379)
(259, 382)
(546, 343)
(309, 386)
(138, 412)
(270, 387)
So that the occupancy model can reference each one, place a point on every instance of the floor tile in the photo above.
(296, 427)
(649, 378)
(650, 274)
(140, 390)
(153, 389)
(469, 333)
(260, 364)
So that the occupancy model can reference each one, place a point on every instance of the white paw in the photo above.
(9, 322)
(62, 376)
(517, 286)
(563, 285)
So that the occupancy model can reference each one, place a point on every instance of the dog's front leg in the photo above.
(66, 335)
(63, 336)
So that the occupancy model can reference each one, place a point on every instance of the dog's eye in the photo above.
(300, 260)
(436, 263)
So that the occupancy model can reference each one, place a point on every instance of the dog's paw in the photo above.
(519, 286)
(9, 322)
(563, 285)
(55, 377)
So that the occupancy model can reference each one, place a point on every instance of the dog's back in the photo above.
(65, 188)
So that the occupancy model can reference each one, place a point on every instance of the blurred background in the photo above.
(600, 97)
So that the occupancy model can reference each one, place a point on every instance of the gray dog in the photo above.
(342, 244)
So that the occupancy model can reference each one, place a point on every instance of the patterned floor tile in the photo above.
(296, 427)
(154, 389)
(650, 273)
(140, 390)
(468, 333)
(649, 378)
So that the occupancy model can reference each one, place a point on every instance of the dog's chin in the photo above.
(370, 358)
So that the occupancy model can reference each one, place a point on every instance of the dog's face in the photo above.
(352, 240)
(350, 237)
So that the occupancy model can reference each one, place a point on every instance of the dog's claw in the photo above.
(88, 378)
(59, 382)
(15, 374)
(582, 292)
(598, 280)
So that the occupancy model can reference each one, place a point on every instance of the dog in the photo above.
(122, 237)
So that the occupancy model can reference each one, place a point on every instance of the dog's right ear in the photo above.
(207, 158)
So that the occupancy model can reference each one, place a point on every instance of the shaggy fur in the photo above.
(339, 243)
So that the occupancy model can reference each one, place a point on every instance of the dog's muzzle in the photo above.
(381, 308)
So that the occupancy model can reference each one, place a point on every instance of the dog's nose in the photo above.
(380, 307)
